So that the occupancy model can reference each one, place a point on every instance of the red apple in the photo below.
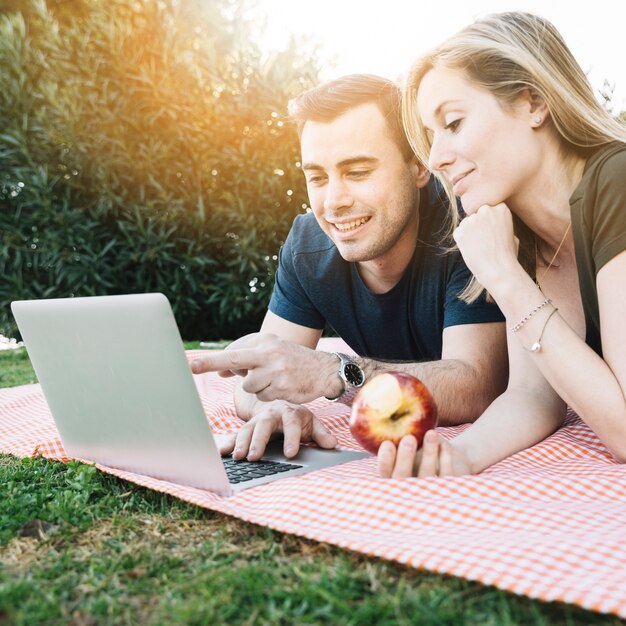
(390, 406)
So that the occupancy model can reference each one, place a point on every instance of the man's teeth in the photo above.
(351, 225)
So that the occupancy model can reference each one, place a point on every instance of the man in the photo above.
(368, 261)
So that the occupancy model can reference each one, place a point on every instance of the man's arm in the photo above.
(471, 374)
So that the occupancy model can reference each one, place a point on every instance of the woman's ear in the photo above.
(535, 106)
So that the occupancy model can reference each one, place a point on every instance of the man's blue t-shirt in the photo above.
(316, 287)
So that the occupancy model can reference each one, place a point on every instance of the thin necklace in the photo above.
(538, 280)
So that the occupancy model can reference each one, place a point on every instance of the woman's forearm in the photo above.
(515, 421)
(577, 374)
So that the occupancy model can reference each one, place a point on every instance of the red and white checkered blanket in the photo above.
(548, 523)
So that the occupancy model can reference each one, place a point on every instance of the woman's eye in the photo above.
(453, 125)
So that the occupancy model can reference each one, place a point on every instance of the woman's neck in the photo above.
(544, 204)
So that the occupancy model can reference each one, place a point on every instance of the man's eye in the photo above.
(358, 173)
(315, 180)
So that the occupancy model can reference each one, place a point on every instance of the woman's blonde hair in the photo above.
(506, 54)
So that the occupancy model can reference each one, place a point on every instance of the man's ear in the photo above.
(422, 174)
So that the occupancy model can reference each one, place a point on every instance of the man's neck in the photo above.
(383, 273)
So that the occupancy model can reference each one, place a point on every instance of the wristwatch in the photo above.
(353, 378)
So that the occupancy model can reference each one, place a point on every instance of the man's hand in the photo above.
(275, 369)
(295, 421)
(438, 457)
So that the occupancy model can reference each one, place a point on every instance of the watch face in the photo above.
(353, 374)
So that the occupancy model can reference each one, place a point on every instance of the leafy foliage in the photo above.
(143, 148)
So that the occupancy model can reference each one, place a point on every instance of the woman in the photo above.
(506, 118)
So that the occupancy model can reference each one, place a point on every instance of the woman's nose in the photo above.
(440, 154)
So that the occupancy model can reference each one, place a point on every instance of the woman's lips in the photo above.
(458, 182)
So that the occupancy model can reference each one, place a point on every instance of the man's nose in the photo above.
(337, 196)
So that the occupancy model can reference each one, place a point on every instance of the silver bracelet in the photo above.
(536, 347)
(531, 314)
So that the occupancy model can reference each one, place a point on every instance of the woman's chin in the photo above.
(469, 205)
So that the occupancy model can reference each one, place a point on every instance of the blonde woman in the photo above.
(505, 117)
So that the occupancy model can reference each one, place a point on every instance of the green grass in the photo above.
(81, 547)
(15, 368)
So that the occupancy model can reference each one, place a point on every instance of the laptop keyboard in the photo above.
(241, 471)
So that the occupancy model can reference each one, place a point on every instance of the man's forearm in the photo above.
(460, 392)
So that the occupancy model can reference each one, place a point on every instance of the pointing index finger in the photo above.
(245, 359)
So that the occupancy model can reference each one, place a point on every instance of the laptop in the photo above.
(114, 373)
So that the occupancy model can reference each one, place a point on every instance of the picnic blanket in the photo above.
(548, 523)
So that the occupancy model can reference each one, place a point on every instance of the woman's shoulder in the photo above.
(605, 170)
(608, 161)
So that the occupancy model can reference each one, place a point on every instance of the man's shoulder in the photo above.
(306, 236)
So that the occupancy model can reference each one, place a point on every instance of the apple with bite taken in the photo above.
(390, 406)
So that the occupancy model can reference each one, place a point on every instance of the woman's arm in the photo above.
(593, 387)
(525, 414)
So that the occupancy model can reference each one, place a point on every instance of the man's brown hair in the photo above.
(334, 98)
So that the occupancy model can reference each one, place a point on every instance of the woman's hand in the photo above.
(488, 245)
(438, 457)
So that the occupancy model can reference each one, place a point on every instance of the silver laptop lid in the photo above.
(114, 372)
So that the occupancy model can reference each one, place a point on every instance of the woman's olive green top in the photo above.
(598, 208)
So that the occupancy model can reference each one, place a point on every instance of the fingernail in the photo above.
(290, 450)
(252, 452)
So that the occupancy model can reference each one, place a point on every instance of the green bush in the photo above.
(143, 147)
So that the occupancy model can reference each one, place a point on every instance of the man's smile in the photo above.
(352, 225)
